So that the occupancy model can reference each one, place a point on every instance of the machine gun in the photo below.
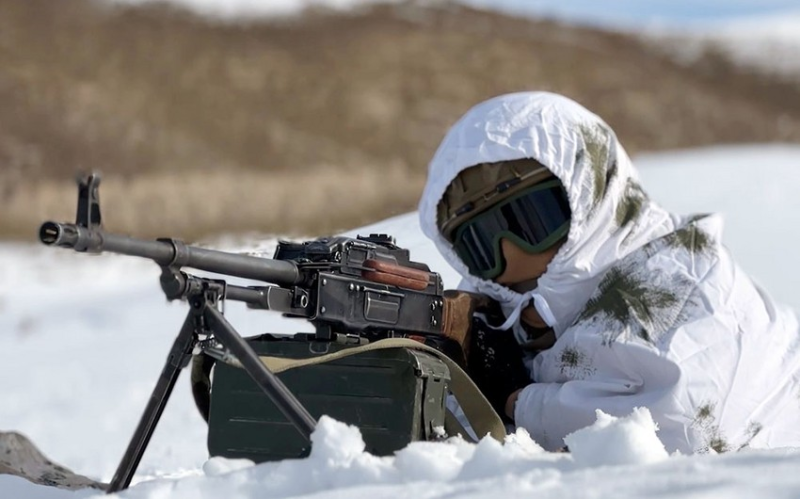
(351, 290)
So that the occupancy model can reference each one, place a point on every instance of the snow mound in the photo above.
(617, 441)
(339, 465)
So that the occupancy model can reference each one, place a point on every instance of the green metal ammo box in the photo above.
(394, 396)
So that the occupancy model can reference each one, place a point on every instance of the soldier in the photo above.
(613, 302)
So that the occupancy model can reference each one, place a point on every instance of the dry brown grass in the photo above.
(233, 115)
(171, 204)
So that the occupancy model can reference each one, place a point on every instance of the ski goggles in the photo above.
(535, 219)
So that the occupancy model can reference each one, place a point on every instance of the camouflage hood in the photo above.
(611, 216)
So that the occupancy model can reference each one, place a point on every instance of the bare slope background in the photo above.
(315, 123)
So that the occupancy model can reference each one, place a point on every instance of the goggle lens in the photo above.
(534, 220)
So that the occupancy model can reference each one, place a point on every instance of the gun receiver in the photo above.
(362, 286)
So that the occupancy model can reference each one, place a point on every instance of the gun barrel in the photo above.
(167, 252)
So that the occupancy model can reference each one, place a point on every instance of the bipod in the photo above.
(205, 321)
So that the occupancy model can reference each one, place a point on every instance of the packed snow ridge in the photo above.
(338, 462)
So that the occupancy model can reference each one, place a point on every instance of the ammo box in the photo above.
(393, 396)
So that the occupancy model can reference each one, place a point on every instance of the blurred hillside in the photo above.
(316, 123)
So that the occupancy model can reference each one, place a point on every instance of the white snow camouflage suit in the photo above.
(649, 309)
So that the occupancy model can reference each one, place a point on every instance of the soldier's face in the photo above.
(521, 274)
(522, 270)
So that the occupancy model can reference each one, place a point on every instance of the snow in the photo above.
(85, 338)
(754, 187)
(242, 9)
(768, 43)
(617, 441)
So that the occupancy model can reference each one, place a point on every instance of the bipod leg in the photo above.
(178, 358)
(280, 395)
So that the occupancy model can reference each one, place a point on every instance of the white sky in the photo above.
(636, 13)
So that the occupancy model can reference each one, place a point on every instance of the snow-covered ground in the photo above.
(769, 44)
(84, 339)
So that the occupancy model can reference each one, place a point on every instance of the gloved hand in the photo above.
(495, 361)
(459, 310)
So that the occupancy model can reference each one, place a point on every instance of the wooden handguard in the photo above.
(459, 307)
(396, 275)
